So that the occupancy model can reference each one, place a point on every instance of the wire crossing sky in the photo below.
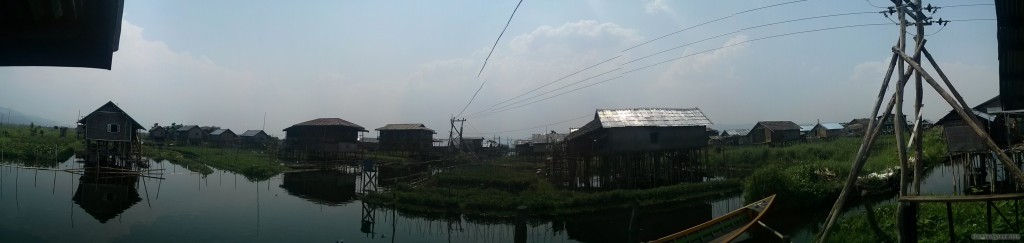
(227, 63)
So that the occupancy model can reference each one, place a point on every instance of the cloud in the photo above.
(655, 6)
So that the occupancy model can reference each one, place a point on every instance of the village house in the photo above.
(805, 130)
(640, 130)
(157, 133)
(222, 137)
(254, 138)
(322, 138)
(472, 143)
(541, 143)
(189, 135)
(960, 138)
(405, 137)
(827, 130)
(856, 127)
(889, 127)
(736, 136)
(369, 144)
(774, 132)
(111, 137)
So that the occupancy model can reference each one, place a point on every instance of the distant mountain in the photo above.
(17, 117)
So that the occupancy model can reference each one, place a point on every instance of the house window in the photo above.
(113, 128)
(654, 137)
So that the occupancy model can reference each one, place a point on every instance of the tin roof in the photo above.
(736, 132)
(652, 117)
(806, 128)
(220, 131)
(186, 128)
(328, 122)
(110, 107)
(409, 126)
(250, 133)
(779, 125)
(832, 126)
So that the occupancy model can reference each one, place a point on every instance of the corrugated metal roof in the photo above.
(779, 125)
(250, 133)
(186, 128)
(410, 126)
(832, 126)
(219, 131)
(328, 122)
(806, 128)
(735, 132)
(652, 117)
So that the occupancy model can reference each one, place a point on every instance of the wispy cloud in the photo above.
(655, 6)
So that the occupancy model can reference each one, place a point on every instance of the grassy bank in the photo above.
(36, 146)
(253, 165)
(813, 172)
(968, 218)
(495, 191)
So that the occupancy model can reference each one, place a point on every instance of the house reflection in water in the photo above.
(321, 187)
(105, 196)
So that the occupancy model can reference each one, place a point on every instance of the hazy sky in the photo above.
(226, 63)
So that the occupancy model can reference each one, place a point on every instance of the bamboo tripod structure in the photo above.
(901, 61)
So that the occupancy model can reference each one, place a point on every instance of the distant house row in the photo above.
(195, 135)
(780, 132)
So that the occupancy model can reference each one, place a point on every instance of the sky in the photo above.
(229, 63)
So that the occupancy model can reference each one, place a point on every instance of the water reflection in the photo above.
(327, 187)
(104, 196)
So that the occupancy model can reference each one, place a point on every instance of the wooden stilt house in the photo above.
(112, 138)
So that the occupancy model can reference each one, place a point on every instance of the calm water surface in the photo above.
(316, 206)
(313, 206)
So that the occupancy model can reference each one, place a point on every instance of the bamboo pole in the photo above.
(967, 118)
(870, 133)
(918, 103)
(898, 123)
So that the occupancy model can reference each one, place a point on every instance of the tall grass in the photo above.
(495, 191)
(37, 146)
(809, 174)
(968, 218)
(254, 165)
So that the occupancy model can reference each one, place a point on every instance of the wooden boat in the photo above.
(725, 228)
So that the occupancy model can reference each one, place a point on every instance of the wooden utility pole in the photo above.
(910, 197)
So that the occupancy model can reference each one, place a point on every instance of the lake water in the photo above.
(315, 206)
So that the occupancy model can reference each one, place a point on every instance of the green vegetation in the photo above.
(495, 191)
(253, 165)
(35, 145)
(968, 218)
(813, 172)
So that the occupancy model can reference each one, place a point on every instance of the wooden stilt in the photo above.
(1007, 162)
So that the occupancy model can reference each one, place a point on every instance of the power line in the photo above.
(712, 21)
(757, 39)
(553, 96)
(682, 57)
(749, 28)
(549, 83)
(676, 32)
(489, 57)
(540, 126)
(493, 107)
(873, 5)
(499, 38)
(559, 88)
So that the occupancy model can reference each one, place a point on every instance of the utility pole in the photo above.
(453, 131)
(909, 193)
